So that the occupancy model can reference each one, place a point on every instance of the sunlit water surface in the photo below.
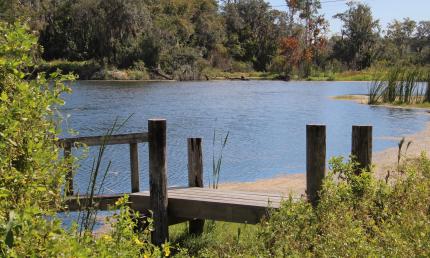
(266, 121)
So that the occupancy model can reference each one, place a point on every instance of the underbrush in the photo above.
(357, 216)
(32, 173)
(84, 70)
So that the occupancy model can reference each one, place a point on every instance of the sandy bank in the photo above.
(364, 99)
(296, 183)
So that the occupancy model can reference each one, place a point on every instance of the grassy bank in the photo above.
(89, 70)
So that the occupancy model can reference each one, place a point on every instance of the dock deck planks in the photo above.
(199, 203)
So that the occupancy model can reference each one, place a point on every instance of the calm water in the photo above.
(266, 121)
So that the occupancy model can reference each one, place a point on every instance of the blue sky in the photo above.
(384, 10)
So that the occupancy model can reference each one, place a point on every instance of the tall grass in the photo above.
(400, 86)
(376, 89)
(217, 161)
(88, 216)
(391, 85)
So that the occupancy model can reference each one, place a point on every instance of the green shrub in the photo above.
(238, 66)
(83, 69)
(358, 216)
(32, 174)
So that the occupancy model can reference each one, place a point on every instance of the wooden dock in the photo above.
(198, 203)
(195, 203)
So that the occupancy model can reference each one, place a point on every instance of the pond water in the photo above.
(266, 121)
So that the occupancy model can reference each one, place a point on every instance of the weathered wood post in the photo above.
(134, 167)
(195, 177)
(315, 160)
(158, 179)
(361, 147)
(69, 175)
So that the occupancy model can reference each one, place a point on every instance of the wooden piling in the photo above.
(361, 147)
(134, 168)
(315, 160)
(69, 175)
(195, 177)
(158, 180)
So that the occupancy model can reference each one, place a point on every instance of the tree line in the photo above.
(186, 38)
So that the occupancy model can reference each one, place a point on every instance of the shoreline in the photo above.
(220, 79)
(363, 100)
(385, 160)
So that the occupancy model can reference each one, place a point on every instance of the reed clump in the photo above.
(400, 85)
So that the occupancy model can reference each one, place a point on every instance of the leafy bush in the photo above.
(83, 69)
(357, 216)
(32, 175)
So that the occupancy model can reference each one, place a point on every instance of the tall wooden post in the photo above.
(361, 147)
(195, 177)
(315, 160)
(69, 175)
(134, 168)
(158, 180)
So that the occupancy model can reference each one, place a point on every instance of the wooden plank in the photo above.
(203, 209)
(226, 199)
(315, 160)
(69, 175)
(106, 140)
(134, 168)
(158, 180)
(241, 192)
(228, 192)
(240, 213)
(107, 202)
(195, 177)
(227, 196)
(218, 199)
(361, 147)
(264, 204)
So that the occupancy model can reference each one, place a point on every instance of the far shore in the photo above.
(383, 161)
(219, 79)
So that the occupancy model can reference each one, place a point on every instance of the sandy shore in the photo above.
(296, 183)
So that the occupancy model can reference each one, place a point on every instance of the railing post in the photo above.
(158, 180)
(134, 167)
(361, 147)
(195, 177)
(69, 175)
(315, 160)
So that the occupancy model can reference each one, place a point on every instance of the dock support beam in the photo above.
(195, 177)
(158, 180)
(361, 147)
(315, 160)
(134, 168)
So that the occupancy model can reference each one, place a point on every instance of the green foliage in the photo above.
(358, 215)
(32, 174)
(357, 46)
(84, 70)
(28, 155)
(186, 39)
(253, 30)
